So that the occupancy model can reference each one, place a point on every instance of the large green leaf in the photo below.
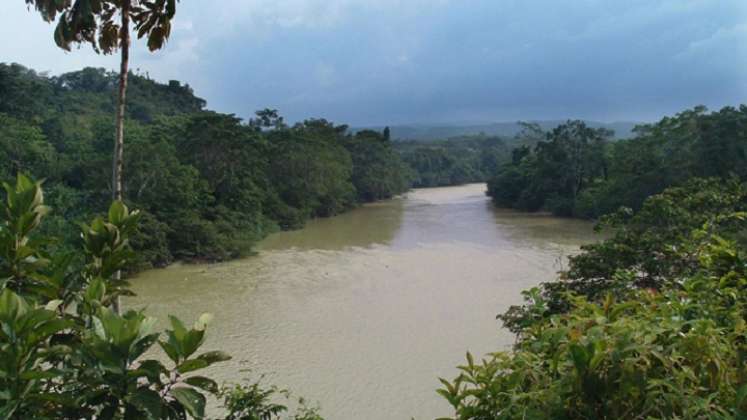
(170, 350)
(152, 369)
(191, 400)
(148, 401)
(192, 365)
(143, 345)
(117, 212)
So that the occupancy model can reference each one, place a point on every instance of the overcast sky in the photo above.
(376, 62)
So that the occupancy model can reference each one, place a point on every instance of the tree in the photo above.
(455, 161)
(378, 170)
(552, 174)
(311, 170)
(94, 22)
(266, 119)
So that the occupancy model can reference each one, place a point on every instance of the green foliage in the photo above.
(649, 323)
(65, 354)
(658, 356)
(576, 171)
(63, 350)
(111, 369)
(254, 402)
(209, 186)
(378, 171)
(24, 148)
(554, 173)
(23, 212)
(675, 349)
(652, 249)
(456, 161)
(95, 22)
(311, 168)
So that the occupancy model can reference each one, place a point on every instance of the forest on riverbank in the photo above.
(649, 323)
(208, 185)
(576, 170)
(454, 161)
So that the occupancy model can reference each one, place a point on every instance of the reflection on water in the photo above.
(373, 224)
(542, 230)
(363, 312)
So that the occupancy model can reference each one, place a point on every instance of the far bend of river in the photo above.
(363, 312)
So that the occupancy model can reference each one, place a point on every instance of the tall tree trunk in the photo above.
(117, 161)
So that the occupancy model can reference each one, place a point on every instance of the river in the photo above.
(363, 312)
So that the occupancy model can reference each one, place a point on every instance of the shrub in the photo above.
(676, 354)
(647, 324)
(64, 353)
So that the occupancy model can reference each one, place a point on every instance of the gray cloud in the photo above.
(397, 61)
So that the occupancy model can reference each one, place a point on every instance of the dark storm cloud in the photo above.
(392, 61)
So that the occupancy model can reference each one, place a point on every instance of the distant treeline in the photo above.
(209, 185)
(454, 161)
(575, 170)
(434, 132)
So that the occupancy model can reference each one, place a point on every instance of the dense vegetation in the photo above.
(651, 322)
(577, 171)
(455, 161)
(647, 324)
(64, 354)
(208, 185)
(436, 132)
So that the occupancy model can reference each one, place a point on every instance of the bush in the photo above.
(254, 402)
(647, 324)
(677, 354)
(151, 244)
(507, 186)
(560, 206)
(65, 352)
(655, 248)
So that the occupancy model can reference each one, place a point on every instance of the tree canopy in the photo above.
(578, 171)
(649, 322)
(208, 185)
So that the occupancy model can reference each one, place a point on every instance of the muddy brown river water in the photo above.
(363, 312)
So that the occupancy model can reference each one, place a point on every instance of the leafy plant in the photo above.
(650, 323)
(255, 402)
(64, 353)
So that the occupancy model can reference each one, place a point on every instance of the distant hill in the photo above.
(427, 132)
